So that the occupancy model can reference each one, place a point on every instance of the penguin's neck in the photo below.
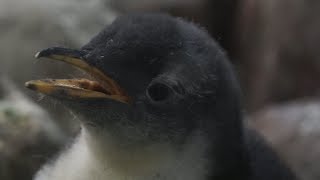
(127, 158)
(154, 161)
(103, 159)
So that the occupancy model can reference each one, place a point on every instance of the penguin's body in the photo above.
(171, 110)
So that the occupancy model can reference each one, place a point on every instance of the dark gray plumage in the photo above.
(183, 120)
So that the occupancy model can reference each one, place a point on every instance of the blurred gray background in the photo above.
(274, 46)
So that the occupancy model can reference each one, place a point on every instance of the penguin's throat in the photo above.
(128, 157)
(146, 160)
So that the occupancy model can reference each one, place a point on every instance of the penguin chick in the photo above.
(164, 105)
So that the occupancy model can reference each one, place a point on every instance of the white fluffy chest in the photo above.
(159, 162)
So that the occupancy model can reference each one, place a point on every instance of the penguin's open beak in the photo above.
(102, 87)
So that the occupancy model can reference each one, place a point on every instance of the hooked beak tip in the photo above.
(30, 85)
(37, 55)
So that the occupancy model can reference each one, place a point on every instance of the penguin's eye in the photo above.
(159, 92)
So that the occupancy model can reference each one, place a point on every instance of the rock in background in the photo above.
(294, 131)
(28, 135)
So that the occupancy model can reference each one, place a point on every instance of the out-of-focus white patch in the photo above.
(77, 17)
(32, 117)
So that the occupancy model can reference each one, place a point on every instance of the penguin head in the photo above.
(156, 78)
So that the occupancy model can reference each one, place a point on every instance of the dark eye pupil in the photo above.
(158, 92)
